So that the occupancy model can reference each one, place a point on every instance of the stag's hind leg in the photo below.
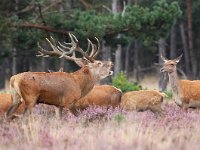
(16, 101)
(73, 108)
(30, 101)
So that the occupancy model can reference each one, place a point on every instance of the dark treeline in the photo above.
(133, 33)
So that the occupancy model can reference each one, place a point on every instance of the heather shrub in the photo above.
(120, 81)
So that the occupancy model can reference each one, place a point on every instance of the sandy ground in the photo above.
(149, 82)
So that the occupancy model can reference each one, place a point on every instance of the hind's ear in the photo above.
(163, 58)
(178, 58)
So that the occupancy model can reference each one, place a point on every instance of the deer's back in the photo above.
(50, 88)
(103, 95)
(142, 98)
(190, 90)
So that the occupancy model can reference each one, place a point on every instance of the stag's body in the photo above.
(56, 88)
(186, 93)
(59, 88)
(143, 100)
(5, 103)
(101, 95)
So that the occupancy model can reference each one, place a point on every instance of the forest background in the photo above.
(133, 34)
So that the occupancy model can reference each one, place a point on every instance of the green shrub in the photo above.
(169, 94)
(119, 118)
(120, 81)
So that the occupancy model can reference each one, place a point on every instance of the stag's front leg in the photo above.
(30, 101)
(73, 109)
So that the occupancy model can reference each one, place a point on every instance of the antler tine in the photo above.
(88, 48)
(53, 40)
(45, 53)
(93, 50)
(77, 48)
(74, 44)
(63, 50)
(53, 45)
(41, 50)
(63, 46)
(98, 48)
(60, 50)
(74, 37)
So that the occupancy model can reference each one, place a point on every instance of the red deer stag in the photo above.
(186, 93)
(101, 95)
(59, 88)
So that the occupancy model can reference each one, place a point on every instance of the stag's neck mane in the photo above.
(85, 79)
(175, 85)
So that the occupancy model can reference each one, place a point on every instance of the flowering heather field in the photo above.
(102, 129)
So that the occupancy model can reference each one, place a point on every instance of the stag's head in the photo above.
(170, 65)
(100, 69)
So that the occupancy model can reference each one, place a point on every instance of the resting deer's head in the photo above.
(170, 65)
(100, 69)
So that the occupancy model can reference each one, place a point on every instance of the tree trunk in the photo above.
(185, 50)
(127, 57)
(61, 9)
(190, 39)
(14, 50)
(114, 6)
(43, 65)
(136, 68)
(163, 77)
(106, 55)
(2, 74)
(14, 61)
(118, 52)
(173, 42)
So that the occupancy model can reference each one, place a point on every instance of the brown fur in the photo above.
(142, 100)
(5, 103)
(55, 88)
(102, 95)
(186, 93)
(190, 90)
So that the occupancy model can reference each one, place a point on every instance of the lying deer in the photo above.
(143, 100)
(5, 102)
(59, 88)
(186, 93)
(101, 95)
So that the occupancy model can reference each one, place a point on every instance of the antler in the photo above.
(62, 50)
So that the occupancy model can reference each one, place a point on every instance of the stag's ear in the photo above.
(178, 58)
(163, 58)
